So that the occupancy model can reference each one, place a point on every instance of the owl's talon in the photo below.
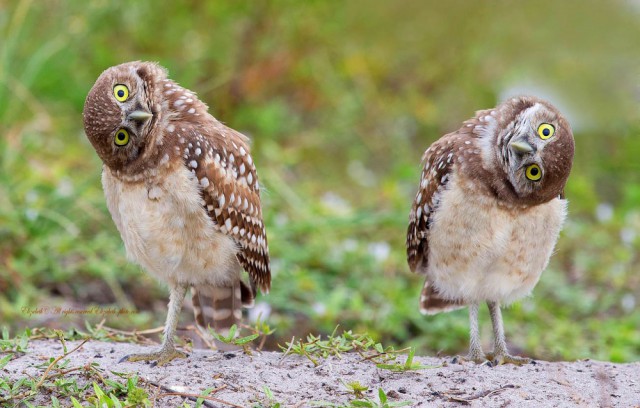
(501, 359)
(471, 357)
(159, 358)
(477, 358)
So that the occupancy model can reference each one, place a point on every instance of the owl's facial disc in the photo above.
(529, 149)
(526, 169)
(119, 115)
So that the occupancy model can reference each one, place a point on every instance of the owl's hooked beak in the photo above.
(520, 146)
(139, 115)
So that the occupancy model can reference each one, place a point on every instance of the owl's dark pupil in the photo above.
(120, 93)
(120, 136)
(544, 131)
(534, 171)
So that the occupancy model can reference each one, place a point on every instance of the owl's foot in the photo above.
(503, 358)
(160, 358)
(476, 356)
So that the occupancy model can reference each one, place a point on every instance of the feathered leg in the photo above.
(500, 353)
(168, 351)
(475, 348)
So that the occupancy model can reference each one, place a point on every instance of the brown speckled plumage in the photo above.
(479, 228)
(183, 192)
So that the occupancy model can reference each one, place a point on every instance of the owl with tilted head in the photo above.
(488, 213)
(183, 192)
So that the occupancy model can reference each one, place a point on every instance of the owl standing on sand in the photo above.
(488, 213)
(183, 192)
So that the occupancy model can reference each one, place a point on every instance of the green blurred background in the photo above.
(340, 99)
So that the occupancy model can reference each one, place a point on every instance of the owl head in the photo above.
(124, 114)
(533, 146)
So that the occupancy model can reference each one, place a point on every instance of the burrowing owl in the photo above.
(183, 192)
(488, 212)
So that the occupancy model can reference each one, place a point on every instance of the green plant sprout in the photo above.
(355, 388)
(231, 338)
(269, 400)
(409, 365)
(316, 347)
(383, 402)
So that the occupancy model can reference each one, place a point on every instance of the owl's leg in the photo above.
(475, 349)
(500, 353)
(168, 351)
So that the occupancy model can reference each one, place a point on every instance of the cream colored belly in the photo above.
(480, 252)
(166, 230)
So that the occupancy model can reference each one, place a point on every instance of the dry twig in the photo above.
(467, 400)
(54, 362)
(169, 392)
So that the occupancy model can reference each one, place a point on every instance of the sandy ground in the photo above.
(295, 382)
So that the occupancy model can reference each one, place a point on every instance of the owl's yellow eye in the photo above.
(121, 92)
(533, 172)
(122, 137)
(545, 131)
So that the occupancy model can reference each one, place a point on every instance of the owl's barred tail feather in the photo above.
(431, 302)
(220, 307)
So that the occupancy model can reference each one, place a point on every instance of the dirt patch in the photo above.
(294, 381)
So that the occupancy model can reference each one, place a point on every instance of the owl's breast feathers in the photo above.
(166, 230)
(482, 250)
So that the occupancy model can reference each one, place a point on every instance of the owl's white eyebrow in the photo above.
(532, 111)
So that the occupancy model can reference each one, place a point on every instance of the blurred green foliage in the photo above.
(340, 99)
